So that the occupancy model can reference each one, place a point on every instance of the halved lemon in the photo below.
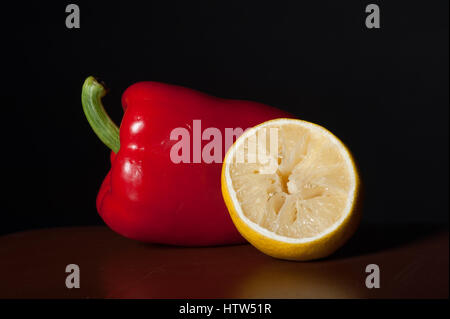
(292, 189)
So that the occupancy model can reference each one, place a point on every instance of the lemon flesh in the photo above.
(298, 200)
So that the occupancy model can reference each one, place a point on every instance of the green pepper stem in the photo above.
(101, 123)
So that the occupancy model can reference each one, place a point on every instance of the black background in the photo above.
(383, 92)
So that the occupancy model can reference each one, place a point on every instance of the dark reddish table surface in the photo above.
(32, 265)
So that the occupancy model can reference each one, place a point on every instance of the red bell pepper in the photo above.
(152, 193)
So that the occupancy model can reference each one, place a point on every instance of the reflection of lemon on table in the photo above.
(299, 201)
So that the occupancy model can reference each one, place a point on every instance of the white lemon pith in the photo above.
(302, 204)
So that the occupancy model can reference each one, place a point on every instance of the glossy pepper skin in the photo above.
(148, 197)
